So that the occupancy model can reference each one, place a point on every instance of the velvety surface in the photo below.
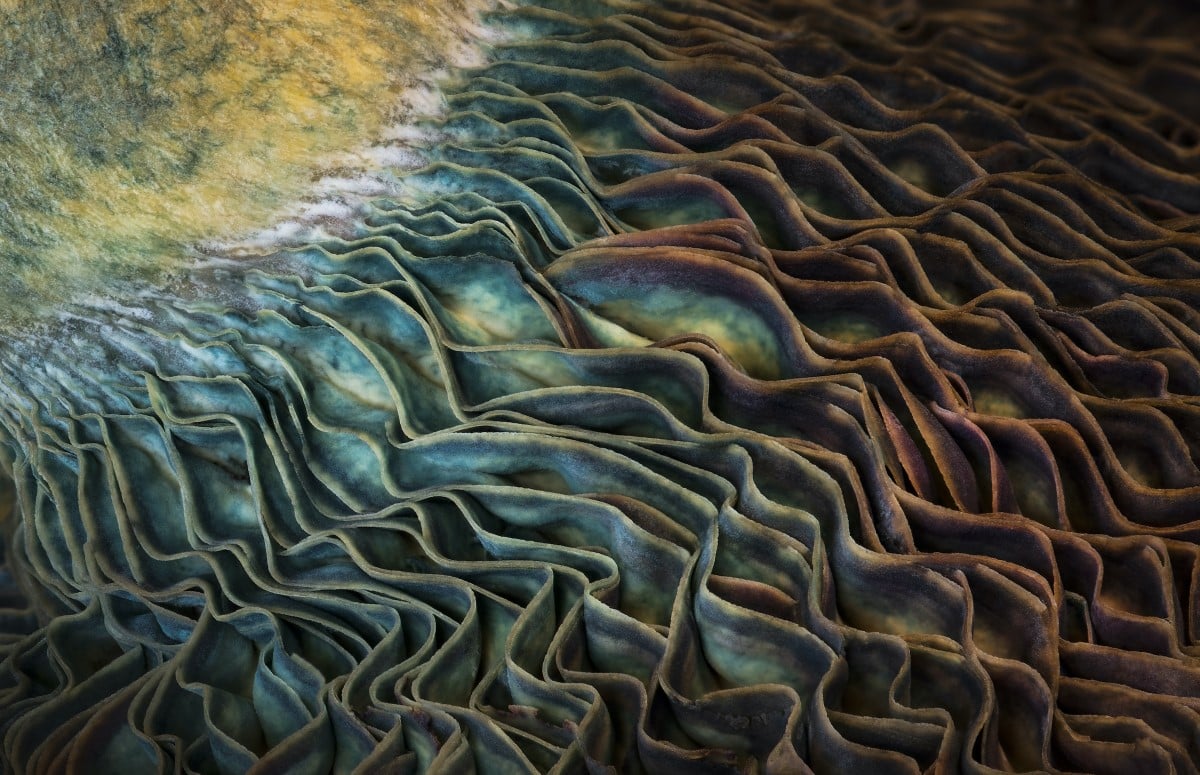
(740, 388)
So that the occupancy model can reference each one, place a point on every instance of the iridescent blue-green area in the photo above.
(739, 388)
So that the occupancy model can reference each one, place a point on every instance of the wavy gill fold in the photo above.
(740, 387)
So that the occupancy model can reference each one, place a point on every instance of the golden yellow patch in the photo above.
(129, 128)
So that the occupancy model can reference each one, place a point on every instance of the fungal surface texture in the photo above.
(733, 387)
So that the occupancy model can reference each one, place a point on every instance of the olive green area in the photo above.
(130, 129)
(88, 94)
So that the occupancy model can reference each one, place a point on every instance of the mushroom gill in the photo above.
(735, 387)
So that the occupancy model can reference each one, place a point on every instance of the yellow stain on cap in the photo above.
(130, 128)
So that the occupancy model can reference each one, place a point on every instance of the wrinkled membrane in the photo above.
(738, 387)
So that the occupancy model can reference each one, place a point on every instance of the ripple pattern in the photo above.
(755, 387)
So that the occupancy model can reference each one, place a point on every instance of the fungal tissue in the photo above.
(599, 386)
